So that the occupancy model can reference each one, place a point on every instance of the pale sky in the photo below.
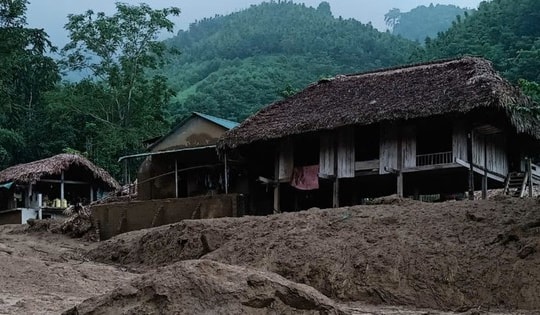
(51, 14)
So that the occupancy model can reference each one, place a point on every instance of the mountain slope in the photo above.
(232, 65)
(506, 32)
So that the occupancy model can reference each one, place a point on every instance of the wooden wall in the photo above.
(326, 155)
(490, 151)
(388, 148)
(345, 153)
(408, 146)
(459, 140)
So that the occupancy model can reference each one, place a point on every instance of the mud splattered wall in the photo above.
(193, 133)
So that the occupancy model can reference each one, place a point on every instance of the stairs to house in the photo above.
(516, 184)
(521, 184)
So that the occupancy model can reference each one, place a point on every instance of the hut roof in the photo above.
(33, 171)
(417, 91)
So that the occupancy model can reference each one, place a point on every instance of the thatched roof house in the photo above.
(30, 173)
(430, 89)
(439, 127)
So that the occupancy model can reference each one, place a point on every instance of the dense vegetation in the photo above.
(503, 31)
(423, 21)
(232, 65)
(228, 66)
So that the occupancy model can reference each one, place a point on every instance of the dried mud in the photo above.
(393, 257)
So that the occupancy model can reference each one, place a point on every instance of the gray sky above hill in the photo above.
(51, 14)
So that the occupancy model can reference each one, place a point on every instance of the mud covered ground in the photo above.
(398, 257)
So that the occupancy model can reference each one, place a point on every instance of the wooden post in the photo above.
(335, 193)
(484, 177)
(277, 206)
(471, 169)
(400, 163)
(62, 185)
(335, 186)
(226, 174)
(125, 172)
(91, 193)
(529, 176)
(176, 178)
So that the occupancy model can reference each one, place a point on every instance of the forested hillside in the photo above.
(506, 32)
(423, 21)
(232, 65)
(228, 66)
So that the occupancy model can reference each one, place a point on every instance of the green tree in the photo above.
(26, 73)
(123, 101)
(426, 21)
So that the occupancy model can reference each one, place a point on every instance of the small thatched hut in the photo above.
(44, 188)
(431, 128)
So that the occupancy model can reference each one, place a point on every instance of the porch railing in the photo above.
(434, 158)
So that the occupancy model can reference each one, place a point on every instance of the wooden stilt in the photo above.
(335, 193)
(529, 177)
(226, 174)
(277, 206)
(125, 172)
(176, 178)
(484, 177)
(62, 185)
(400, 184)
(400, 164)
(471, 168)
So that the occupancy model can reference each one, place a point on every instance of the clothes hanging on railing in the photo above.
(305, 177)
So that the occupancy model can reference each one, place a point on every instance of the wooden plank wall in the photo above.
(286, 159)
(388, 148)
(326, 156)
(459, 140)
(478, 149)
(409, 146)
(345, 153)
(490, 151)
(497, 160)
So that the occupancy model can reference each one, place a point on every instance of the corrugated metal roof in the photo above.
(229, 124)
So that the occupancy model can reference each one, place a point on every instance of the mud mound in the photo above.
(452, 255)
(208, 287)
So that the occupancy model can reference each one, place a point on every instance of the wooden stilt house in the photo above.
(439, 128)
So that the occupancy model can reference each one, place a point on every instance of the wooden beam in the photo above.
(335, 186)
(62, 185)
(530, 176)
(399, 178)
(58, 181)
(125, 172)
(277, 206)
(424, 168)
(480, 170)
(485, 176)
(226, 170)
(335, 193)
(176, 178)
(400, 184)
(470, 158)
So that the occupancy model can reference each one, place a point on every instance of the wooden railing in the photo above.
(434, 158)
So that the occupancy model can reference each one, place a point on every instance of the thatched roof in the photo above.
(31, 172)
(437, 88)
